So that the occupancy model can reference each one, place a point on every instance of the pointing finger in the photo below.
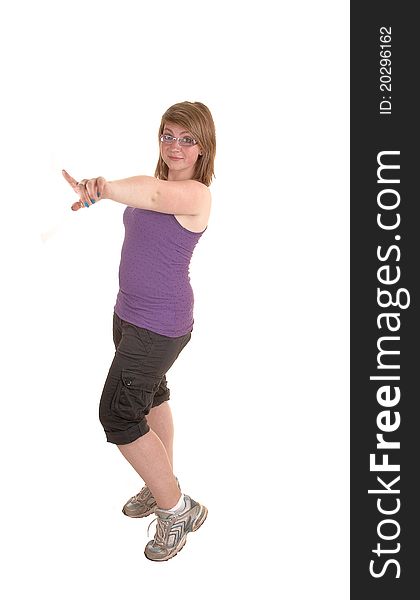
(70, 180)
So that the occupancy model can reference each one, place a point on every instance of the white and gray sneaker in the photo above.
(172, 529)
(142, 504)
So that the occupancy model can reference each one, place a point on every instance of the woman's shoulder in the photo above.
(197, 223)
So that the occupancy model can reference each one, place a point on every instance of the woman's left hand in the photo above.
(89, 190)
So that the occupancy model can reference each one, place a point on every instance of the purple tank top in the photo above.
(155, 290)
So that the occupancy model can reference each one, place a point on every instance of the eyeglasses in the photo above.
(184, 141)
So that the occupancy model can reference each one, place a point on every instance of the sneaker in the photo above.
(142, 504)
(172, 529)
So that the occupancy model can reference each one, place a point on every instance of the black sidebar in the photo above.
(385, 298)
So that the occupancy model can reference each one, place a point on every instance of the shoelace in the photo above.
(161, 529)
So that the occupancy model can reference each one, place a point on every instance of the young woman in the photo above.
(153, 316)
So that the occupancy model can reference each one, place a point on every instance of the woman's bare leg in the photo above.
(148, 456)
(160, 420)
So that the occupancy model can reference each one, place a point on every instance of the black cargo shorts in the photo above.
(136, 380)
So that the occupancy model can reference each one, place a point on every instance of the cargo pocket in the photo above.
(134, 396)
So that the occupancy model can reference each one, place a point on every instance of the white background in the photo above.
(260, 395)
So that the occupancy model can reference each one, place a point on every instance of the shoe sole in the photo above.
(202, 516)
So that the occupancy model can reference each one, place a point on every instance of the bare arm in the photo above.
(186, 197)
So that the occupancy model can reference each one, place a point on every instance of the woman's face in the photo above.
(179, 159)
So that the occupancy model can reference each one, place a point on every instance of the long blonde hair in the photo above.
(197, 119)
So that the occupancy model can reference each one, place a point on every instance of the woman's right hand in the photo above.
(89, 190)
